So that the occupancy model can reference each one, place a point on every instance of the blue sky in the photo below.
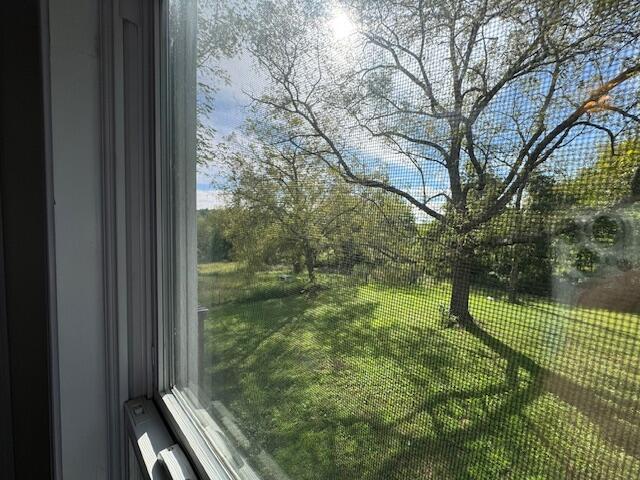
(230, 111)
(227, 117)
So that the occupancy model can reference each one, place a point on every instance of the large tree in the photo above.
(471, 96)
(287, 197)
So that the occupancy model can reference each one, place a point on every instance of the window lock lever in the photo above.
(176, 463)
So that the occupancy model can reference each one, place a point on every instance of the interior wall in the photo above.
(76, 160)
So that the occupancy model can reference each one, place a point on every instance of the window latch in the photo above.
(176, 463)
(159, 457)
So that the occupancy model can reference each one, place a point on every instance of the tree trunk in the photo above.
(461, 286)
(297, 266)
(310, 261)
(514, 276)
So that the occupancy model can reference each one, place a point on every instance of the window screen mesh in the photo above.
(417, 236)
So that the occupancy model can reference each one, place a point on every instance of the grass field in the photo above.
(357, 381)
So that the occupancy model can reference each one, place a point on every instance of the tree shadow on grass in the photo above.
(280, 356)
(524, 381)
(236, 331)
(258, 336)
(447, 449)
(383, 345)
(269, 371)
(621, 432)
(442, 366)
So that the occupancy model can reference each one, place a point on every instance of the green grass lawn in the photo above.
(363, 381)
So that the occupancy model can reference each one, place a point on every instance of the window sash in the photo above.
(176, 252)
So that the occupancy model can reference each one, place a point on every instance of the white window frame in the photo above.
(147, 293)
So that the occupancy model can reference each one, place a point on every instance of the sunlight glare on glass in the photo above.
(341, 24)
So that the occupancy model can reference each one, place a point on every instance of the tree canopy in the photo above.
(469, 98)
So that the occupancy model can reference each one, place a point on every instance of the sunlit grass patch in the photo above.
(362, 381)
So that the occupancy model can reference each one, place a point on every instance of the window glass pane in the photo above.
(405, 235)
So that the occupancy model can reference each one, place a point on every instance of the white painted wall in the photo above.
(74, 61)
